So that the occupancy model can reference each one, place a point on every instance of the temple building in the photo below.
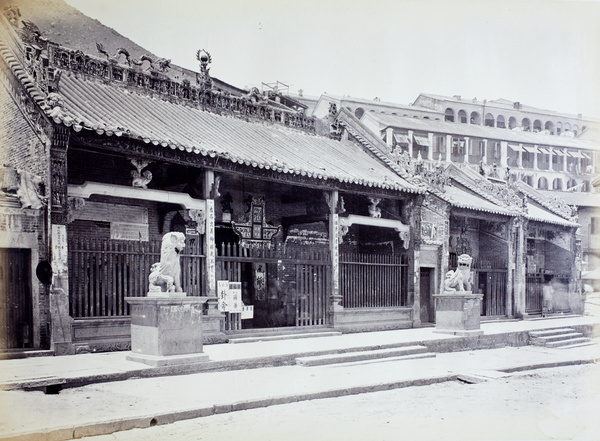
(312, 222)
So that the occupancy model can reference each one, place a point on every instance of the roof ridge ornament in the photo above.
(203, 78)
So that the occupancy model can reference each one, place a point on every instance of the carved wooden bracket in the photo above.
(402, 229)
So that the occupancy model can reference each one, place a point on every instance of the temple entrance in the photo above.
(15, 298)
(427, 309)
(285, 287)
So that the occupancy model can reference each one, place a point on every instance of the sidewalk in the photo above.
(108, 406)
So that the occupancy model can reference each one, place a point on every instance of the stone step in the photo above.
(346, 357)
(547, 332)
(557, 337)
(578, 345)
(568, 342)
(256, 338)
(387, 359)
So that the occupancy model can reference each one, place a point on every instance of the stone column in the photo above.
(564, 156)
(520, 268)
(448, 148)
(410, 143)
(60, 320)
(503, 155)
(535, 159)
(389, 137)
(466, 154)
(429, 154)
(210, 284)
(510, 236)
(520, 156)
(486, 153)
(334, 235)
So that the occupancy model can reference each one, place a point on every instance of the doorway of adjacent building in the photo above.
(15, 298)
(427, 309)
(492, 284)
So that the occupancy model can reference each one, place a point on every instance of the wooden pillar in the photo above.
(410, 144)
(60, 320)
(334, 234)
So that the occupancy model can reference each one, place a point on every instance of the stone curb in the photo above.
(141, 422)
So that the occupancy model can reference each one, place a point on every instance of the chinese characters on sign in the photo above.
(229, 296)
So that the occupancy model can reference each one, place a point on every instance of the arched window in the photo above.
(528, 180)
(557, 184)
(475, 118)
(526, 124)
(567, 127)
(359, 112)
(462, 116)
(489, 120)
(537, 126)
(559, 128)
(571, 183)
(550, 127)
(543, 183)
(512, 122)
(575, 129)
(500, 122)
(449, 115)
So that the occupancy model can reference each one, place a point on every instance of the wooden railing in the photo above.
(373, 280)
(103, 272)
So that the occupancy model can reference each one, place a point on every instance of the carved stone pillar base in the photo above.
(166, 331)
(458, 313)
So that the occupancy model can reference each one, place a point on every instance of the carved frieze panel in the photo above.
(255, 232)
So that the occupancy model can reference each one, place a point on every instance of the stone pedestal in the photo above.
(166, 330)
(458, 313)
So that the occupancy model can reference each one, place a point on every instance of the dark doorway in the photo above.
(15, 298)
(427, 313)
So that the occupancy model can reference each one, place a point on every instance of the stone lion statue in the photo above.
(460, 280)
(165, 276)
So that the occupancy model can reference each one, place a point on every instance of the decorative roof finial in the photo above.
(205, 59)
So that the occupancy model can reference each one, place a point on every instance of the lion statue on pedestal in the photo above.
(459, 280)
(165, 276)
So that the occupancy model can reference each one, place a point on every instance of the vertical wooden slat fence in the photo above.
(373, 280)
(534, 290)
(312, 278)
(495, 271)
(103, 272)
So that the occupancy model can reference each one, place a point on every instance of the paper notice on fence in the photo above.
(222, 293)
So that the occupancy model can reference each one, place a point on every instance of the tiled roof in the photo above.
(538, 213)
(460, 197)
(580, 199)
(476, 131)
(109, 110)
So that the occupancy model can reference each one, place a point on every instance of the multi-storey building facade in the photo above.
(549, 151)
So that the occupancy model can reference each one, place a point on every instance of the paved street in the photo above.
(556, 403)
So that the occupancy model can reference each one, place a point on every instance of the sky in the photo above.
(542, 53)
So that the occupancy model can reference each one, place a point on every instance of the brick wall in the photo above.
(21, 148)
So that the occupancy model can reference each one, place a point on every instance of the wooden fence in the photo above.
(373, 280)
(102, 272)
